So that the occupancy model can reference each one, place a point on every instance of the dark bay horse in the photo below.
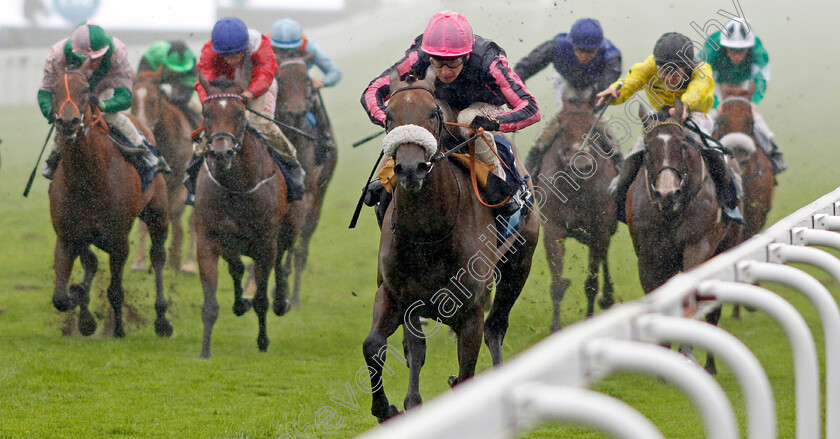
(240, 203)
(674, 218)
(576, 178)
(734, 129)
(438, 256)
(94, 197)
(172, 133)
(294, 93)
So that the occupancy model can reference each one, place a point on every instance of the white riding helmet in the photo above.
(737, 35)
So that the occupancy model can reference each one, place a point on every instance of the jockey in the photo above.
(585, 63)
(110, 87)
(473, 75)
(671, 73)
(286, 35)
(179, 75)
(245, 56)
(740, 61)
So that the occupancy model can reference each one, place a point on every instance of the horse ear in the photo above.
(646, 119)
(158, 75)
(204, 82)
(86, 68)
(678, 109)
(394, 77)
(431, 77)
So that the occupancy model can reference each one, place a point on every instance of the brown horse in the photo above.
(172, 133)
(240, 203)
(438, 256)
(294, 93)
(674, 218)
(587, 213)
(734, 129)
(94, 197)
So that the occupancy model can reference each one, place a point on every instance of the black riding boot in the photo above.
(497, 190)
(727, 184)
(772, 151)
(51, 163)
(628, 169)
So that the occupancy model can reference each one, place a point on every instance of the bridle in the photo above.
(235, 139)
(98, 120)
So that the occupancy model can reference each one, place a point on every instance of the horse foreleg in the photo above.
(415, 354)
(63, 258)
(158, 230)
(285, 241)
(313, 215)
(607, 299)
(262, 269)
(116, 295)
(555, 252)
(591, 285)
(81, 292)
(237, 269)
(208, 272)
(469, 344)
(189, 263)
(139, 263)
(177, 242)
(713, 318)
(386, 320)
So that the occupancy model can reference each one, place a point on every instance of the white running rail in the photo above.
(548, 381)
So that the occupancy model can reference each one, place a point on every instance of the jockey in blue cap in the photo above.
(288, 40)
(585, 63)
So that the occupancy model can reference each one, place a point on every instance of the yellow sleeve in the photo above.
(700, 93)
(636, 79)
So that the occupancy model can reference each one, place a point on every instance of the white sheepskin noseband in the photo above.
(408, 134)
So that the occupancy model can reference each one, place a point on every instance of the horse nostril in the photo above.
(398, 169)
(423, 167)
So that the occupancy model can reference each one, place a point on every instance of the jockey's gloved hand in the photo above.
(94, 102)
(484, 122)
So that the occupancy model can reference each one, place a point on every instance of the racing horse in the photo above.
(172, 133)
(240, 203)
(587, 213)
(294, 92)
(438, 252)
(674, 218)
(94, 196)
(734, 129)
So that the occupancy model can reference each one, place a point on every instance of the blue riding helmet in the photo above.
(229, 35)
(286, 34)
(587, 34)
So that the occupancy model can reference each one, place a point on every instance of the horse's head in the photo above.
(70, 101)
(414, 121)
(294, 87)
(224, 120)
(735, 114)
(575, 121)
(147, 98)
(666, 158)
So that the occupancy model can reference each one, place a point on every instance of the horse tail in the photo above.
(739, 141)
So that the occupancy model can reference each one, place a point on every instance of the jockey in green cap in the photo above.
(179, 75)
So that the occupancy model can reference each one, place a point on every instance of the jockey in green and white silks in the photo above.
(178, 76)
(739, 60)
(110, 86)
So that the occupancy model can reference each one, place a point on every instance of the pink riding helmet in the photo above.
(448, 34)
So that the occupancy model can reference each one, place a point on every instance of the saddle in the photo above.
(137, 157)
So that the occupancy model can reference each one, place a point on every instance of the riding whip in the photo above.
(364, 190)
(35, 169)
(368, 138)
(606, 105)
(283, 125)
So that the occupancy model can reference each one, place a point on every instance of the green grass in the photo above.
(143, 386)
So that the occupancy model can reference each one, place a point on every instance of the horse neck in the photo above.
(85, 160)
(432, 210)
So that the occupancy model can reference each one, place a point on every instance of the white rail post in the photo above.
(706, 393)
(758, 395)
(536, 402)
(822, 300)
(805, 364)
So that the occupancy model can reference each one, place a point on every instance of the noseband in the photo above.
(236, 140)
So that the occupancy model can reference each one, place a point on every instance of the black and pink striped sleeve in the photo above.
(524, 109)
(379, 90)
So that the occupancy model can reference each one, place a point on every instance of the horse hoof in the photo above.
(119, 332)
(605, 302)
(138, 265)
(453, 380)
(63, 303)
(281, 307)
(262, 343)
(711, 367)
(392, 411)
(241, 306)
(87, 324)
(556, 326)
(163, 328)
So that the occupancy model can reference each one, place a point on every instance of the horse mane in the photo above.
(222, 83)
